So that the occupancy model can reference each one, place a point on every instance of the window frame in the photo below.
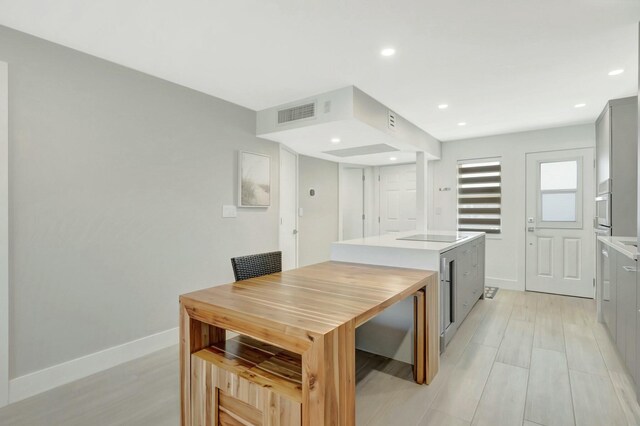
(500, 203)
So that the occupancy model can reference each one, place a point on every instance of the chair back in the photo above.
(256, 265)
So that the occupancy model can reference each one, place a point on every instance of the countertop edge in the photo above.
(617, 243)
(382, 245)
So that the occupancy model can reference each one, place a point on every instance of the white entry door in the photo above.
(397, 198)
(289, 208)
(559, 212)
(352, 186)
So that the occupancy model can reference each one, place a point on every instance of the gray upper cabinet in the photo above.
(603, 151)
(616, 162)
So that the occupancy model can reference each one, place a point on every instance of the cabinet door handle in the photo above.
(630, 268)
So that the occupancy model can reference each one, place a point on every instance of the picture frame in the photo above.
(254, 180)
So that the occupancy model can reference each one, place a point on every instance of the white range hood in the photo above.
(369, 132)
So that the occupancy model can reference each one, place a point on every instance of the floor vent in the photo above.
(490, 292)
(295, 113)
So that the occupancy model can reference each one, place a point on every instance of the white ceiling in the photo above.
(501, 65)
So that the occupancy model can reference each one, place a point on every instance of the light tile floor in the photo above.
(519, 359)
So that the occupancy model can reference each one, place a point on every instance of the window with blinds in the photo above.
(480, 196)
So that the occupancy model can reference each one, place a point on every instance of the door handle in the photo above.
(295, 231)
(630, 268)
(531, 228)
(605, 253)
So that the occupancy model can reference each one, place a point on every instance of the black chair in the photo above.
(256, 265)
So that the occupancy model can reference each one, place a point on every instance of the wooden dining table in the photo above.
(312, 311)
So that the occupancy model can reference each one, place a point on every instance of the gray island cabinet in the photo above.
(459, 258)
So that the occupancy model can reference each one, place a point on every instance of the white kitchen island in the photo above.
(390, 333)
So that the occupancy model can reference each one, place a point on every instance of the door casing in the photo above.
(285, 186)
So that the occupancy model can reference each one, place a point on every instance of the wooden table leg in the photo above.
(194, 335)
(329, 379)
(419, 337)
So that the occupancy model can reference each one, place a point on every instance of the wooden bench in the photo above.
(242, 382)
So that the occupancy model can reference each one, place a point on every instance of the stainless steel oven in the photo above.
(603, 210)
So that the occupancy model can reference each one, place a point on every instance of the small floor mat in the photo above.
(490, 292)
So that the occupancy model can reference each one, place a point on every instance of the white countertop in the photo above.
(392, 241)
(618, 244)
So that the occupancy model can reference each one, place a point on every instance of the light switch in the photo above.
(229, 211)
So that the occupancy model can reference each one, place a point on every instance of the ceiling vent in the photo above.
(391, 118)
(296, 113)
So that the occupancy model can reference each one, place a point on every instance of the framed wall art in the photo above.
(254, 179)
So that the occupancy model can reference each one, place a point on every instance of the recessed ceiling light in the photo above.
(616, 72)
(443, 106)
(388, 51)
(335, 140)
(462, 123)
(579, 105)
(393, 158)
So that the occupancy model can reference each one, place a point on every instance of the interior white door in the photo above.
(352, 203)
(397, 198)
(559, 234)
(289, 208)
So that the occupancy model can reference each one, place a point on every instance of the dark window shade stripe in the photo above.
(484, 179)
(480, 169)
(482, 190)
(488, 231)
(479, 210)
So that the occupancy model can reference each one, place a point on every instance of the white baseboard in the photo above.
(39, 381)
(503, 283)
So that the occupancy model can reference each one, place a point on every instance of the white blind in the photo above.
(480, 196)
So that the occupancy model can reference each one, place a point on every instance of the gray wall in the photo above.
(116, 185)
(319, 224)
(506, 252)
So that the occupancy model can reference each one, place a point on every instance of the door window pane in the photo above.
(559, 175)
(559, 207)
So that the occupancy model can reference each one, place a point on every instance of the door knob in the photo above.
(295, 231)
